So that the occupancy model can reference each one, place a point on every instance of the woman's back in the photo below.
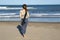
(22, 13)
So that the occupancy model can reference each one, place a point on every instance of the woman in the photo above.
(22, 15)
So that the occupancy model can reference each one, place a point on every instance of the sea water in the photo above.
(38, 13)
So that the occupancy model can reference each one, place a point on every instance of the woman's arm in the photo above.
(21, 14)
(27, 15)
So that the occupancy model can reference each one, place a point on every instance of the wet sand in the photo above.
(35, 31)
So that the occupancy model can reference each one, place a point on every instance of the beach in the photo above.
(35, 31)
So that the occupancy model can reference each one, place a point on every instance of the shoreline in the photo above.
(30, 22)
(46, 24)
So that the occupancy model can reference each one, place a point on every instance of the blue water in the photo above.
(40, 9)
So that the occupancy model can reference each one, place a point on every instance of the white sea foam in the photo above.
(31, 15)
(7, 8)
(45, 15)
(38, 14)
(3, 7)
(57, 14)
(9, 16)
(1, 14)
(41, 14)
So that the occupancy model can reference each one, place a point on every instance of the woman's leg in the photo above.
(25, 26)
(23, 30)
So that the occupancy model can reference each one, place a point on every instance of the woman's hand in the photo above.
(22, 15)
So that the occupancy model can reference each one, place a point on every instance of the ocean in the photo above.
(38, 13)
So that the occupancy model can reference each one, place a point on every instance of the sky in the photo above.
(29, 2)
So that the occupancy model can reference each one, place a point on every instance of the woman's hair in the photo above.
(24, 7)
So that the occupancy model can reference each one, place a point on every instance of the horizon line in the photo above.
(30, 4)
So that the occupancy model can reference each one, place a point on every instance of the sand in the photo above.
(35, 31)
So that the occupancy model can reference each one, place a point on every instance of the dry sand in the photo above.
(35, 31)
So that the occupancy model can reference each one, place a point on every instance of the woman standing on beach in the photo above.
(24, 13)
